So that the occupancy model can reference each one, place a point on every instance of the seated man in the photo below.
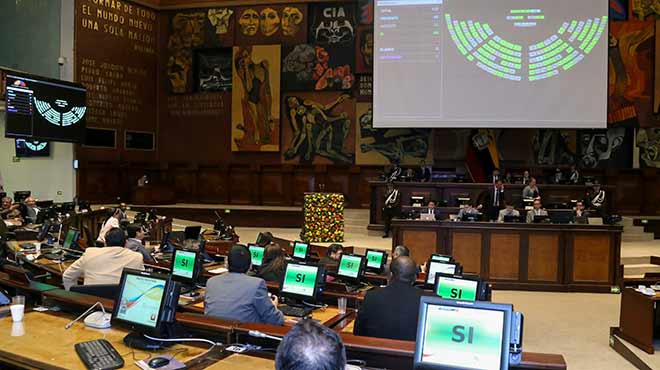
(399, 251)
(431, 208)
(580, 214)
(536, 211)
(237, 296)
(399, 320)
(30, 210)
(9, 211)
(332, 256)
(103, 265)
(134, 242)
(310, 345)
(507, 211)
(468, 209)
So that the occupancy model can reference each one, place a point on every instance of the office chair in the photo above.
(108, 291)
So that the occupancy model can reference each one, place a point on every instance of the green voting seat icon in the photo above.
(561, 51)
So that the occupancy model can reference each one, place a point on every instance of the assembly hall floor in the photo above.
(575, 325)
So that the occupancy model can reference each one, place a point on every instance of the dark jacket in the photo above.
(389, 312)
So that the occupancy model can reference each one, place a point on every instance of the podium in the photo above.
(323, 218)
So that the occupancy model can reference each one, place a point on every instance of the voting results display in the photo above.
(349, 266)
(300, 279)
(463, 337)
(184, 264)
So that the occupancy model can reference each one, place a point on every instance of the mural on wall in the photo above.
(255, 98)
(307, 67)
(644, 8)
(213, 70)
(366, 9)
(219, 27)
(648, 142)
(618, 10)
(333, 24)
(606, 148)
(630, 72)
(364, 49)
(185, 34)
(318, 128)
(554, 147)
(386, 146)
(271, 24)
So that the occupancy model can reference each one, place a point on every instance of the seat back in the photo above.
(108, 291)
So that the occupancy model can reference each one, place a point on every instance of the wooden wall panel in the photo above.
(421, 244)
(184, 184)
(543, 257)
(337, 180)
(589, 247)
(366, 174)
(504, 259)
(212, 185)
(303, 182)
(466, 249)
(272, 188)
(241, 185)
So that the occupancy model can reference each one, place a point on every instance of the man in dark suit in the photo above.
(493, 200)
(401, 299)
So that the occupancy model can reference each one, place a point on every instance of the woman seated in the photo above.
(273, 265)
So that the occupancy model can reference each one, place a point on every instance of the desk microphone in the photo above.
(258, 334)
(97, 320)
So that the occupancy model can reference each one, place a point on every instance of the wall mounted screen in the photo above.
(485, 63)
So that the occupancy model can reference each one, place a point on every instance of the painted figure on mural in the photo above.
(367, 47)
(270, 22)
(220, 18)
(318, 130)
(249, 22)
(256, 98)
(291, 20)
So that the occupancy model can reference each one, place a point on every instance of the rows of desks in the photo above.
(19, 350)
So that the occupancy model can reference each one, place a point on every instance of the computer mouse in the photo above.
(157, 362)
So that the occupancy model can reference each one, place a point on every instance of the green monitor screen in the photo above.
(140, 300)
(375, 259)
(69, 239)
(463, 337)
(257, 254)
(453, 288)
(300, 280)
(183, 264)
(439, 267)
(300, 250)
(349, 266)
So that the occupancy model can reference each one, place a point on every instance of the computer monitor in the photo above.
(43, 232)
(562, 217)
(302, 281)
(511, 218)
(71, 238)
(472, 217)
(351, 267)
(434, 267)
(301, 250)
(459, 287)
(165, 245)
(462, 335)
(192, 232)
(147, 303)
(186, 266)
(541, 219)
(441, 258)
(376, 260)
(256, 254)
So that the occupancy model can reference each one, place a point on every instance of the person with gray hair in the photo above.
(310, 346)
(401, 298)
(9, 210)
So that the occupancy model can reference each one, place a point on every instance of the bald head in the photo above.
(404, 270)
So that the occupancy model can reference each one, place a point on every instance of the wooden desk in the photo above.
(566, 257)
(243, 362)
(637, 319)
(24, 346)
(451, 191)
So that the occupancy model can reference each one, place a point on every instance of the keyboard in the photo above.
(99, 355)
(295, 311)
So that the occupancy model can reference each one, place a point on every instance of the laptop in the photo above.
(427, 217)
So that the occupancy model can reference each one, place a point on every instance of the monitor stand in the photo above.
(189, 291)
(352, 286)
(139, 341)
